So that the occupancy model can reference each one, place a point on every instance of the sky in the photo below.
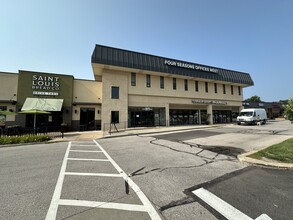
(59, 36)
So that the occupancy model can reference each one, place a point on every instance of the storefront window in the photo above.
(183, 117)
(2, 117)
(146, 117)
(220, 116)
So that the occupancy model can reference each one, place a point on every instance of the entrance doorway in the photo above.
(87, 119)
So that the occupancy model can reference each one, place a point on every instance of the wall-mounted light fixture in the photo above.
(75, 111)
(98, 111)
(11, 110)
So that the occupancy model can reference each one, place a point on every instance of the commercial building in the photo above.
(130, 89)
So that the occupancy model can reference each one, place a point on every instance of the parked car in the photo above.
(252, 116)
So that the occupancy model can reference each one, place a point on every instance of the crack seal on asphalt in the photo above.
(200, 148)
(180, 202)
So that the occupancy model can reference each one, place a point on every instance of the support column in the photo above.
(199, 117)
(167, 114)
(210, 113)
(240, 108)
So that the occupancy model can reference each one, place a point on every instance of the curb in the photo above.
(155, 132)
(23, 144)
(244, 158)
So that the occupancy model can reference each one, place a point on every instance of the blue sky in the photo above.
(59, 36)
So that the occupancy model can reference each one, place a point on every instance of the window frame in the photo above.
(174, 84)
(162, 82)
(115, 93)
(133, 79)
(206, 87)
(148, 80)
(185, 84)
(196, 86)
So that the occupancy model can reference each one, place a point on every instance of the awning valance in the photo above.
(53, 105)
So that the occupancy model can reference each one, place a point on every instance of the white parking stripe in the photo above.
(150, 209)
(83, 145)
(88, 151)
(106, 205)
(263, 217)
(52, 212)
(220, 205)
(92, 174)
(224, 208)
(86, 159)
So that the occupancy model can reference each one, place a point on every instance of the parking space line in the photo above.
(86, 159)
(52, 211)
(92, 174)
(220, 205)
(224, 208)
(83, 145)
(88, 151)
(145, 201)
(106, 205)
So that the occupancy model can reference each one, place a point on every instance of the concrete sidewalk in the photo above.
(90, 135)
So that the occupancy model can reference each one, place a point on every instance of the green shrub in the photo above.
(24, 139)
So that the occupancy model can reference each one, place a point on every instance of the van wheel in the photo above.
(239, 123)
(264, 121)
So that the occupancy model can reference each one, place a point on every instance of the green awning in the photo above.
(53, 105)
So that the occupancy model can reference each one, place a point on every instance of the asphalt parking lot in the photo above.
(234, 139)
(165, 167)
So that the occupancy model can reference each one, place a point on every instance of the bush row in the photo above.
(23, 139)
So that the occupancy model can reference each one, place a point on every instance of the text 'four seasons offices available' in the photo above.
(190, 66)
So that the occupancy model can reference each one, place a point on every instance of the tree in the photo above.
(254, 98)
(289, 109)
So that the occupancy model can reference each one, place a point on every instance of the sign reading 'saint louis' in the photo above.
(49, 85)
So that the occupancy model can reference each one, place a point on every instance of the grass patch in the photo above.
(24, 139)
(282, 152)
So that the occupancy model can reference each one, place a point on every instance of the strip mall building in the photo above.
(130, 89)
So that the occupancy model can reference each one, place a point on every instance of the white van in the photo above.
(252, 116)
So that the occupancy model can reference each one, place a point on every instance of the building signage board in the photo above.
(203, 101)
(191, 66)
(46, 84)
